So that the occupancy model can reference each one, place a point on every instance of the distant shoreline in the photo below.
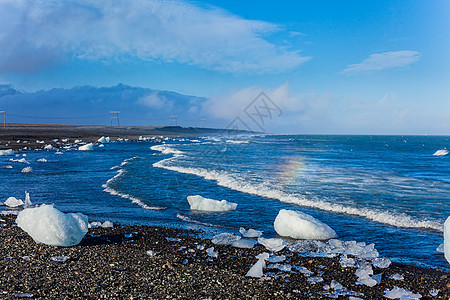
(35, 136)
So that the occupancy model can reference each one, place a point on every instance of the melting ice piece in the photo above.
(41, 160)
(299, 225)
(87, 147)
(441, 152)
(8, 152)
(381, 262)
(107, 224)
(397, 276)
(285, 268)
(277, 259)
(251, 233)
(198, 202)
(59, 258)
(440, 248)
(27, 170)
(151, 253)
(48, 147)
(225, 239)
(347, 262)
(244, 243)
(13, 202)
(274, 245)
(211, 252)
(95, 224)
(399, 293)
(47, 225)
(257, 269)
(27, 200)
(304, 271)
(434, 292)
(104, 140)
(447, 239)
(23, 295)
(315, 279)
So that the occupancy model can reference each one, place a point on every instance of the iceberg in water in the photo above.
(447, 239)
(8, 152)
(103, 140)
(298, 225)
(198, 202)
(87, 147)
(441, 152)
(47, 225)
(13, 202)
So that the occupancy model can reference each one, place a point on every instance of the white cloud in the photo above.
(37, 33)
(385, 60)
(154, 100)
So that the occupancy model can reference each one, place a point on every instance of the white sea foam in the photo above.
(227, 180)
(164, 149)
(107, 187)
(441, 152)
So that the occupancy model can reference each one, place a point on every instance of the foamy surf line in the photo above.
(120, 171)
(226, 180)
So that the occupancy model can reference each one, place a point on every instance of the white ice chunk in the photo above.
(41, 160)
(225, 239)
(6, 167)
(47, 225)
(48, 147)
(59, 258)
(87, 147)
(244, 243)
(277, 259)
(315, 279)
(27, 200)
(101, 146)
(377, 278)
(381, 262)
(257, 269)
(251, 233)
(104, 140)
(399, 293)
(22, 160)
(8, 152)
(364, 271)
(13, 202)
(95, 224)
(441, 152)
(369, 281)
(211, 252)
(27, 170)
(198, 202)
(107, 224)
(347, 262)
(77, 141)
(273, 244)
(447, 239)
(299, 225)
(434, 292)
(305, 271)
(285, 268)
(151, 253)
(397, 276)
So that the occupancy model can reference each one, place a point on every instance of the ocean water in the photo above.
(388, 190)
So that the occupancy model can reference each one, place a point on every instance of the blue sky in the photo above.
(365, 67)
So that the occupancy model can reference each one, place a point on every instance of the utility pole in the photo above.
(4, 118)
(173, 120)
(115, 115)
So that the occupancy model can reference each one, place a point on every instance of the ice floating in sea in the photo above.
(27, 170)
(78, 141)
(250, 233)
(22, 160)
(104, 140)
(440, 248)
(381, 262)
(27, 200)
(244, 243)
(107, 224)
(48, 147)
(8, 152)
(257, 269)
(273, 244)
(299, 225)
(60, 259)
(6, 167)
(198, 202)
(225, 239)
(399, 293)
(47, 225)
(87, 147)
(41, 160)
(101, 146)
(276, 259)
(441, 152)
(212, 253)
(13, 202)
(397, 276)
(447, 239)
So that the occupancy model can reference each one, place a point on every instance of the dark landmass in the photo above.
(112, 263)
(25, 136)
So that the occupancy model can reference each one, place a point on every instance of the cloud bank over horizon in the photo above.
(38, 34)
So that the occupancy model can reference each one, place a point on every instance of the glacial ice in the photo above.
(42, 160)
(48, 147)
(198, 202)
(150, 253)
(244, 243)
(212, 253)
(434, 292)
(381, 262)
(441, 152)
(315, 279)
(87, 147)
(364, 276)
(447, 239)
(299, 225)
(47, 225)
(107, 224)
(399, 293)
(27, 170)
(276, 259)
(225, 239)
(347, 262)
(8, 152)
(60, 259)
(281, 267)
(273, 244)
(250, 233)
(257, 269)
(104, 140)
(27, 200)
(397, 276)
(13, 202)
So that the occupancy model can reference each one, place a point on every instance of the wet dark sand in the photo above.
(112, 263)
